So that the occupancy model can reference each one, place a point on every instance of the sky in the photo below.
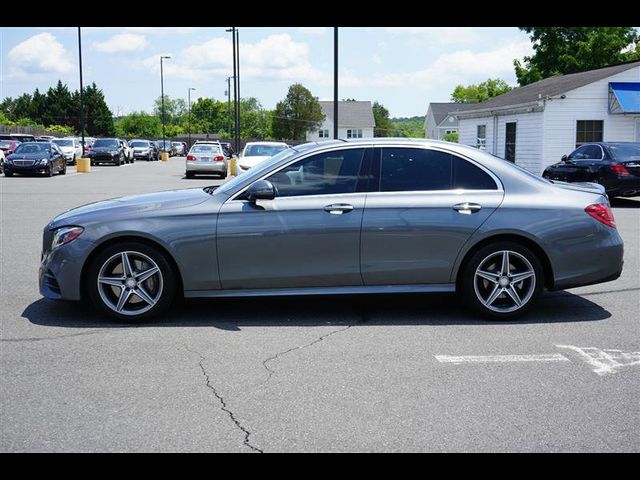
(402, 68)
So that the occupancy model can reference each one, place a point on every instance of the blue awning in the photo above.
(624, 97)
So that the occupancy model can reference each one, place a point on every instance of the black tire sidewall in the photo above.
(168, 278)
(468, 273)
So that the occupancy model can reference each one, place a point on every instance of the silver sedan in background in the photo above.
(360, 216)
(206, 158)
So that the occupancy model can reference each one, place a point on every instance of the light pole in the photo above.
(335, 82)
(236, 85)
(189, 95)
(81, 92)
(228, 93)
(162, 95)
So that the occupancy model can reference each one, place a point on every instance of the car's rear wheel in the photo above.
(131, 282)
(502, 281)
(189, 174)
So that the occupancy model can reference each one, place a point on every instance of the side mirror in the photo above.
(261, 190)
(564, 158)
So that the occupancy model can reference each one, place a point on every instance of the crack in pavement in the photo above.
(223, 403)
(271, 372)
(56, 337)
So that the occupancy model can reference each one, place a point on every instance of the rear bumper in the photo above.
(625, 186)
(213, 167)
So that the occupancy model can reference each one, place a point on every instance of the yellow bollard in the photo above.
(232, 166)
(164, 156)
(83, 165)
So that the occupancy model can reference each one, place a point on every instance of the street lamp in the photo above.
(81, 92)
(236, 83)
(162, 95)
(189, 95)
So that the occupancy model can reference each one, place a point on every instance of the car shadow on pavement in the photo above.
(396, 309)
(619, 202)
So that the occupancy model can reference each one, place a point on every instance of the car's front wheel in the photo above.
(502, 281)
(131, 282)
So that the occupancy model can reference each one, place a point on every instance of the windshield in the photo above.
(140, 144)
(257, 171)
(205, 149)
(625, 151)
(106, 143)
(32, 148)
(263, 150)
(64, 143)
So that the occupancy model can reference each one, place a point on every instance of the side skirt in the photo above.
(356, 289)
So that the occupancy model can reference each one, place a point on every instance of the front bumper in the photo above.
(13, 168)
(61, 269)
(104, 159)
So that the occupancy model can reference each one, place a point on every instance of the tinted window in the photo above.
(263, 150)
(629, 151)
(64, 143)
(322, 174)
(578, 154)
(469, 177)
(32, 148)
(413, 169)
(106, 143)
(140, 144)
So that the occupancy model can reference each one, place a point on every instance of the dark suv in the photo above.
(107, 150)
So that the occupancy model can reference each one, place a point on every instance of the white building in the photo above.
(440, 119)
(355, 120)
(536, 124)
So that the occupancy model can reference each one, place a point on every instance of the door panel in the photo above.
(415, 237)
(291, 242)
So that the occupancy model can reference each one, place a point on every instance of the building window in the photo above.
(323, 133)
(354, 133)
(481, 137)
(510, 142)
(588, 131)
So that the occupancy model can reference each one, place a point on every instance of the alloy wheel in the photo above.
(130, 283)
(504, 281)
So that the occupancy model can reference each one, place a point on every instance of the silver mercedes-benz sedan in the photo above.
(362, 216)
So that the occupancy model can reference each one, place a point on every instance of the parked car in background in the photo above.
(44, 138)
(156, 149)
(227, 149)
(181, 148)
(35, 157)
(143, 150)
(207, 158)
(2, 161)
(88, 143)
(107, 150)
(438, 217)
(8, 145)
(256, 152)
(127, 150)
(167, 146)
(23, 137)
(614, 165)
(71, 149)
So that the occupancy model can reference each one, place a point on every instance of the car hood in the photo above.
(250, 162)
(67, 149)
(134, 205)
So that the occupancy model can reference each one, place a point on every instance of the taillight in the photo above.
(601, 212)
(618, 169)
(219, 158)
(191, 158)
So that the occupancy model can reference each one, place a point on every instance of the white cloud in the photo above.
(313, 30)
(450, 69)
(376, 59)
(123, 42)
(276, 56)
(41, 53)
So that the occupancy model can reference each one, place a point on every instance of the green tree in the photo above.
(480, 92)
(450, 137)
(208, 116)
(299, 112)
(58, 107)
(139, 124)
(408, 127)
(98, 117)
(384, 127)
(562, 50)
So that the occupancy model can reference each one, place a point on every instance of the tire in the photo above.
(8, 174)
(159, 288)
(73, 162)
(49, 171)
(189, 174)
(64, 169)
(477, 291)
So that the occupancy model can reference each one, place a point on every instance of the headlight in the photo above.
(115, 153)
(64, 235)
(44, 161)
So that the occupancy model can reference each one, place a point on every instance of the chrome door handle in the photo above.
(338, 208)
(467, 208)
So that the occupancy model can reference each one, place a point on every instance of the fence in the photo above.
(35, 131)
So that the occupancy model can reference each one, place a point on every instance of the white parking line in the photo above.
(604, 362)
(545, 357)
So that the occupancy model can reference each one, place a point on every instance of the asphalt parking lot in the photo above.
(367, 373)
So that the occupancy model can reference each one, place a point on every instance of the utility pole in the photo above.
(162, 96)
(81, 92)
(235, 88)
(238, 81)
(335, 82)
(189, 96)
(228, 93)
